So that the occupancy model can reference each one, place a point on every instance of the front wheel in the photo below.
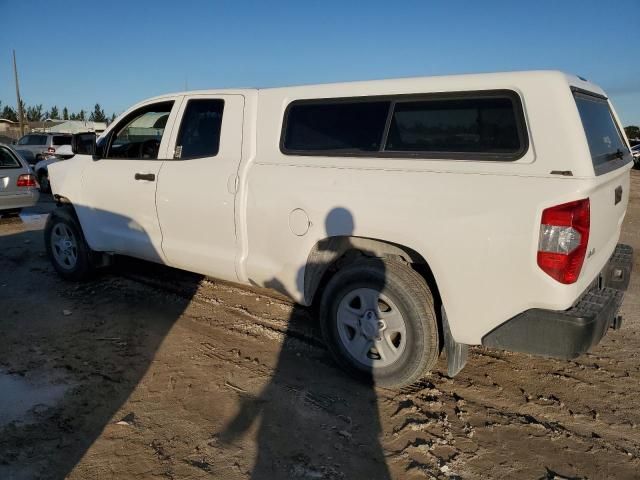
(379, 322)
(66, 246)
(43, 180)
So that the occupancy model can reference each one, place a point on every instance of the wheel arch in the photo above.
(61, 200)
(97, 257)
(330, 253)
(65, 202)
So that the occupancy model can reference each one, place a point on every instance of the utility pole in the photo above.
(20, 112)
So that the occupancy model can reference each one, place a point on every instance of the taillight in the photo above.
(51, 150)
(27, 180)
(564, 234)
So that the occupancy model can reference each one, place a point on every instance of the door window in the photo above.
(37, 140)
(199, 134)
(24, 140)
(139, 134)
(7, 160)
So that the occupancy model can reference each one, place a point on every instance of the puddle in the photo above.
(20, 396)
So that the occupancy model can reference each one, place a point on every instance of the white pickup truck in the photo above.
(422, 214)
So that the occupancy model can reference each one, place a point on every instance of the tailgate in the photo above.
(609, 198)
(611, 159)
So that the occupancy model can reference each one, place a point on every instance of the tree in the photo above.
(9, 113)
(65, 113)
(98, 114)
(54, 114)
(34, 113)
(78, 116)
(632, 131)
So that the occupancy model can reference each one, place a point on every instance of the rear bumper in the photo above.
(23, 200)
(569, 333)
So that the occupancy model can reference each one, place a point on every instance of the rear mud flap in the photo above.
(457, 353)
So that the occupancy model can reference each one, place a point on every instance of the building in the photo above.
(9, 130)
(68, 126)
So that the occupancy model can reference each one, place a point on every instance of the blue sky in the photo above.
(118, 52)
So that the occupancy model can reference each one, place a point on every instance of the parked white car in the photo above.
(18, 186)
(421, 214)
(41, 169)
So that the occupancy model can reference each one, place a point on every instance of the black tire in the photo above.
(43, 180)
(412, 297)
(83, 266)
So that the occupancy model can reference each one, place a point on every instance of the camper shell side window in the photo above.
(485, 125)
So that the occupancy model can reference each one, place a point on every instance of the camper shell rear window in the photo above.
(606, 143)
(485, 125)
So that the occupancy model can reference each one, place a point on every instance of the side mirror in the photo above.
(83, 143)
(64, 151)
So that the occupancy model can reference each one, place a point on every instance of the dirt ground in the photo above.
(148, 372)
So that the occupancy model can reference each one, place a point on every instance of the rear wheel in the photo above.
(66, 246)
(379, 322)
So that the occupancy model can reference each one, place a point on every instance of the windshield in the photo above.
(605, 140)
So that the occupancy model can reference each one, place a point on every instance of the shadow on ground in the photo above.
(98, 340)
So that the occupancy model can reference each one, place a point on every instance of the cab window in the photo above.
(8, 160)
(138, 135)
(199, 134)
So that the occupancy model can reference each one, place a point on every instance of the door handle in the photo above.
(150, 177)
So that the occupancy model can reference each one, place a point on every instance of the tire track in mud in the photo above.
(423, 457)
(271, 326)
(428, 453)
(436, 428)
(432, 428)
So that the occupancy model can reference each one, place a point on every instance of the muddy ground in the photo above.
(148, 372)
